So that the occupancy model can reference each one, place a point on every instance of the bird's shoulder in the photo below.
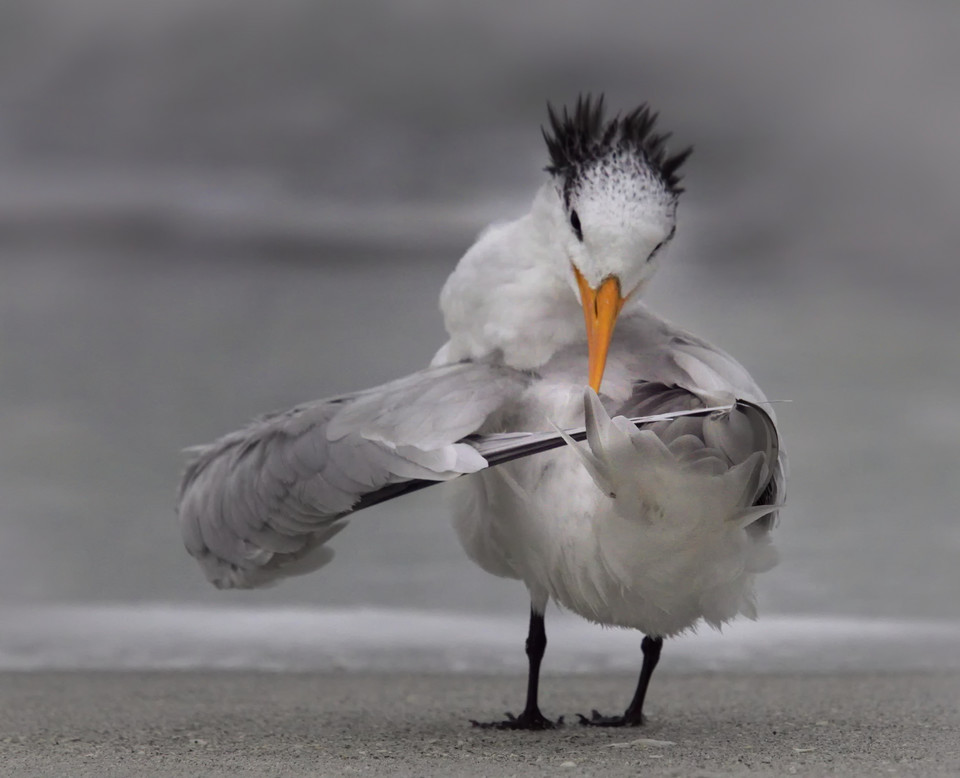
(656, 350)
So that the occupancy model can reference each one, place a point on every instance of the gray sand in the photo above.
(249, 724)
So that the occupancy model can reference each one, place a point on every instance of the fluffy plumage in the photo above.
(654, 529)
(550, 522)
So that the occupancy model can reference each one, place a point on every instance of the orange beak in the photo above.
(600, 309)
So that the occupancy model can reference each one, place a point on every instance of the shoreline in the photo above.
(157, 636)
(177, 723)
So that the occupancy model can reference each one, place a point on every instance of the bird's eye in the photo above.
(575, 223)
(657, 248)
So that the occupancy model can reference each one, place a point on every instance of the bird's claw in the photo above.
(530, 721)
(597, 720)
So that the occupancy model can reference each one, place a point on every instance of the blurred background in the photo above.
(213, 209)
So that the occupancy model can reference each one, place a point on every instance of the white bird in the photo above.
(653, 528)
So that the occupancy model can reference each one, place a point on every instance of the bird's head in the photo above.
(617, 193)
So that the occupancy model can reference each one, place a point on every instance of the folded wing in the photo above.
(698, 493)
(717, 442)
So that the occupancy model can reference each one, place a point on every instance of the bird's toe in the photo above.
(598, 720)
(529, 720)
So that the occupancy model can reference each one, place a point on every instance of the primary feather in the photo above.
(260, 503)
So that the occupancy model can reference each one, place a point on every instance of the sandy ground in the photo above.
(249, 724)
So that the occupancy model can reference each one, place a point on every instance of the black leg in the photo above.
(633, 716)
(531, 718)
(536, 647)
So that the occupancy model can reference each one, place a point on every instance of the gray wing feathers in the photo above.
(685, 372)
(406, 416)
(746, 437)
(671, 356)
(260, 503)
(712, 372)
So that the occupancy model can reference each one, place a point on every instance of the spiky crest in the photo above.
(583, 137)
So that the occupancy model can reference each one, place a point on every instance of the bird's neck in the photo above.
(509, 296)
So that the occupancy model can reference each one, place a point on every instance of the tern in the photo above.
(659, 522)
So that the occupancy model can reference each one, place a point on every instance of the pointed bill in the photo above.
(600, 309)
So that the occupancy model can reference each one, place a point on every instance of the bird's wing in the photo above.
(720, 440)
(677, 371)
(695, 486)
(260, 503)
(659, 351)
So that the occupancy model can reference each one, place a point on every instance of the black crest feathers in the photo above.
(574, 140)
